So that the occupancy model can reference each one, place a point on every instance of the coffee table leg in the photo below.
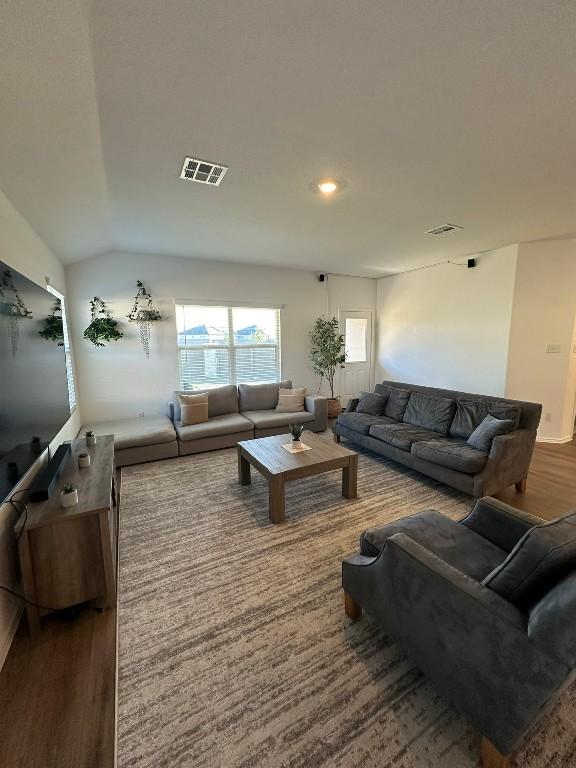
(276, 499)
(350, 478)
(243, 469)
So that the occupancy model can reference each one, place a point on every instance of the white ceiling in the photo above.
(448, 111)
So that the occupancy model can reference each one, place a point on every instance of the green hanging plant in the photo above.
(53, 326)
(12, 305)
(144, 313)
(103, 328)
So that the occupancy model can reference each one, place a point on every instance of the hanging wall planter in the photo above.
(144, 313)
(53, 327)
(13, 307)
(102, 326)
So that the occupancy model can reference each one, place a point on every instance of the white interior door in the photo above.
(356, 373)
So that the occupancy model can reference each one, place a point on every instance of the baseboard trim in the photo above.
(10, 633)
(556, 440)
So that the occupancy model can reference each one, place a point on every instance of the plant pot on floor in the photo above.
(334, 407)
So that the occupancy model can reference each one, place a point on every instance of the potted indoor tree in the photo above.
(326, 354)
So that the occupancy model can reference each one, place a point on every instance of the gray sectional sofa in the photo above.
(243, 412)
(426, 429)
(235, 413)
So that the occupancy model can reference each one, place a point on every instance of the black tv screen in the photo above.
(34, 403)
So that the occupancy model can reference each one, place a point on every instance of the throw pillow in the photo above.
(291, 400)
(371, 403)
(396, 402)
(193, 409)
(429, 412)
(487, 430)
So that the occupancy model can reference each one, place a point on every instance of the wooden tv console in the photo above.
(69, 556)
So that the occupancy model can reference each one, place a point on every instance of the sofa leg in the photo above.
(336, 438)
(352, 609)
(491, 758)
(521, 485)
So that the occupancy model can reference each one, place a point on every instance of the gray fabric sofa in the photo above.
(426, 429)
(485, 607)
(243, 412)
(138, 440)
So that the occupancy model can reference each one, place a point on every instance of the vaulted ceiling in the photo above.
(448, 111)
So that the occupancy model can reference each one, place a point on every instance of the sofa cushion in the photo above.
(454, 454)
(543, 556)
(455, 544)
(260, 397)
(221, 400)
(397, 400)
(361, 422)
(193, 409)
(430, 412)
(133, 433)
(226, 424)
(291, 400)
(371, 403)
(487, 430)
(401, 435)
(269, 419)
(470, 413)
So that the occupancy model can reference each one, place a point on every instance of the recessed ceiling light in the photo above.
(327, 187)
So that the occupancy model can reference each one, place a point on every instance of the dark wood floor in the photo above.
(57, 690)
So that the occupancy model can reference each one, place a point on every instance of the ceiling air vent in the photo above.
(203, 171)
(443, 229)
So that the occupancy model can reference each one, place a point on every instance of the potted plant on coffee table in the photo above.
(326, 354)
(296, 434)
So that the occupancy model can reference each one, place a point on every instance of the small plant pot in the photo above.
(296, 443)
(83, 461)
(69, 499)
(334, 407)
(91, 441)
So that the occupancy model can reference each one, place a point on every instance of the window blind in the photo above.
(67, 351)
(227, 344)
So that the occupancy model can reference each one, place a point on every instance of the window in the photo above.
(67, 351)
(227, 345)
(355, 339)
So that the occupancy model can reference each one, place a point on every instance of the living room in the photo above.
(387, 259)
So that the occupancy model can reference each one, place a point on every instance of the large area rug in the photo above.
(234, 651)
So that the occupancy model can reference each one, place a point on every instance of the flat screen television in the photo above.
(34, 402)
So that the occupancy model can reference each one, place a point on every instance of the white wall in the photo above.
(23, 250)
(119, 381)
(544, 313)
(448, 326)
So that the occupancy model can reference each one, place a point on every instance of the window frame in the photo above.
(68, 353)
(231, 346)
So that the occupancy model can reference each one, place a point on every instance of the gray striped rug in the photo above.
(234, 651)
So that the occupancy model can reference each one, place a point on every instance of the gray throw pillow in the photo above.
(396, 402)
(371, 403)
(482, 437)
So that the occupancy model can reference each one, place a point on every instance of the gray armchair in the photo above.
(485, 607)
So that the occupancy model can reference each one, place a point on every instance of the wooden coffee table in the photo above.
(278, 466)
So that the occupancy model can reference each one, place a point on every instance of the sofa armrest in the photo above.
(508, 462)
(318, 405)
(499, 523)
(352, 405)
